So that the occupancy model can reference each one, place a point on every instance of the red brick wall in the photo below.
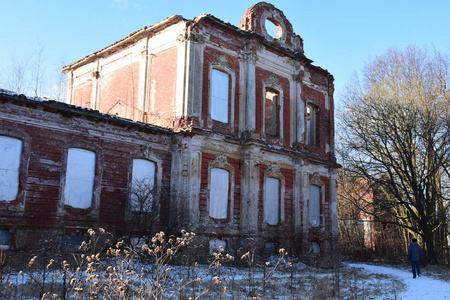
(163, 76)
(83, 95)
(46, 138)
(119, 91)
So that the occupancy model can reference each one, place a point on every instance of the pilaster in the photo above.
(190, 71)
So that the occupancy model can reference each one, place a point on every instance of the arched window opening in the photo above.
(143, 187)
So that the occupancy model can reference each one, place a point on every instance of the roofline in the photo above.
(80, 111)
(177, 18)
(135, 35)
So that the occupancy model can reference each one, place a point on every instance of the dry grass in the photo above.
(120, 272)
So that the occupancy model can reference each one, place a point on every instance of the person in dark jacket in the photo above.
(415, 256)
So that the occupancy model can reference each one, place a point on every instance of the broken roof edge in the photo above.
(80, 111)
(134, 35)
(178, 18)
(265, 41)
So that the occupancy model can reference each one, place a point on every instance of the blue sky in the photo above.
(339, 36)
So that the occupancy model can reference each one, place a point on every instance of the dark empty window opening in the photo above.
(311, 125)
(271, 120)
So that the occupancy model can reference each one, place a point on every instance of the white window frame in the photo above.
(79, 178)
(10, 161)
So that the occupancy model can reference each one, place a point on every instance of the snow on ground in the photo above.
(422, 288)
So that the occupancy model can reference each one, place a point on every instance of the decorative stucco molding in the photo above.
(191, 37)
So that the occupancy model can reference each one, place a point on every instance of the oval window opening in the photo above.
(272, 29)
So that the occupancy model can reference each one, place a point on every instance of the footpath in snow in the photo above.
(422, 288)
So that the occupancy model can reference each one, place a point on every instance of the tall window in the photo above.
(220, 93)
(271, 120)
(272, 201)
(311, 125)
(314, 205)
(10, 154)
(80, 174)
(143, 186)
(219, 193)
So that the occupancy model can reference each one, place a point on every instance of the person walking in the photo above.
(415, 256)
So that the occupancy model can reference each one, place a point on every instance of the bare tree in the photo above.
(28, 74)
(396, 136)
(15, 78)
(143, 209)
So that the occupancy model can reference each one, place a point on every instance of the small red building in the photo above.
(234, 127)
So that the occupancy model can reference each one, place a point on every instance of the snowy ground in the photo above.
(423, 288)
(351, 281)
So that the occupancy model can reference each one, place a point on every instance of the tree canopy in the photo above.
(395, 133)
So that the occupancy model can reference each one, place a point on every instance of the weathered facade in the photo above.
(241, 132)
(36, 138)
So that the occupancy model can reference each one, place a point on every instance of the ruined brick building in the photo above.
(234, 127)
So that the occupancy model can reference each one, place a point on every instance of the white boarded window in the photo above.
(143, 185)
(10, 154)
(80, 174)
(219, 193)
(220, 96)
(314, 205)
(272, 201)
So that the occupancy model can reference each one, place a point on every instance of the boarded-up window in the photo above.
(272, 201)
(311, 125)
(271, 120)
(5, 239)
(217, 246)
(80, 174)
(10, 154)
(219, 193)
(220, 96)
(143, 185)
(314, 205)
